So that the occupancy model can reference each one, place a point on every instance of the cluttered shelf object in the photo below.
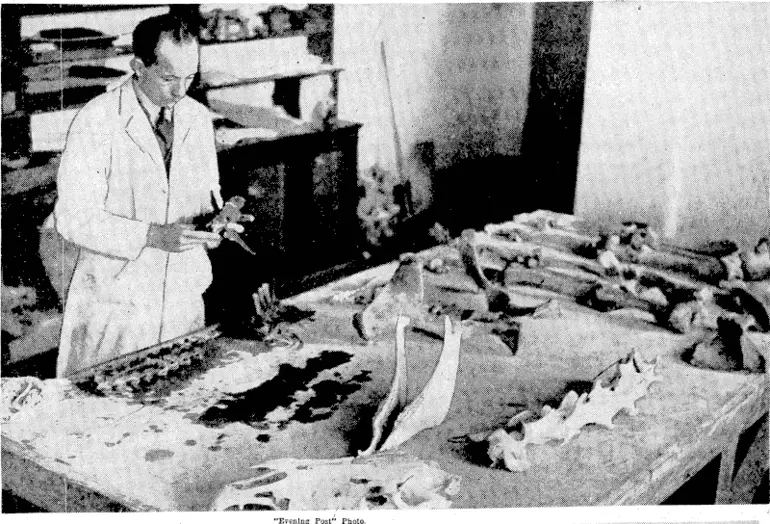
(236, 24)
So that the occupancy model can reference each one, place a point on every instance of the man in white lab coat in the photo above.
(139, 164)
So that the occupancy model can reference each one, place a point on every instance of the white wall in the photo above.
(676, 122)
(459, 77)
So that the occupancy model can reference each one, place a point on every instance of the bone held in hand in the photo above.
(230, 213)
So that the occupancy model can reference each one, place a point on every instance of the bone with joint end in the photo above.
(402, 295)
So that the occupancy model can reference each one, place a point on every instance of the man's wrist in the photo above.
(153, 232)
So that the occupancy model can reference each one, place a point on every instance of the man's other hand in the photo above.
(179, 237)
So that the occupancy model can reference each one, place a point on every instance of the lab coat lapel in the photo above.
(182, 124)
(182, 161)
(139, 130)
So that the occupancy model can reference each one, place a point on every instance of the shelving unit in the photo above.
(302, 182)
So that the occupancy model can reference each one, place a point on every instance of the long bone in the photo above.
(431, 406)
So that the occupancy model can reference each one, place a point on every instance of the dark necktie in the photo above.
(164, 132)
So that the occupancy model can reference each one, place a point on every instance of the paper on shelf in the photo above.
(230, 137)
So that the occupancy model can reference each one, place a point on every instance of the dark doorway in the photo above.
(551, 138)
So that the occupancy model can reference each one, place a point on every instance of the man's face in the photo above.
(167, 80)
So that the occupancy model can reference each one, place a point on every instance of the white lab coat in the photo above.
(111, 185)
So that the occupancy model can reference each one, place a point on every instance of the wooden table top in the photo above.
(72, 451)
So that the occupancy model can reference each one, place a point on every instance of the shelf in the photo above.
(58, 9)
(57, 101)
(73, 56)
(289, 73)
(297, 132)
(289, 34)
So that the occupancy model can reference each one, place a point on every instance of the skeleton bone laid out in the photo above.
(756, 262)
(382, 481)
(402, 295)
(498, 298)
(546, 255)
(431, 406)
(729, 348)
(670, 265)
(671, 297)
(610, 394)
(558, 237)
(377, 478)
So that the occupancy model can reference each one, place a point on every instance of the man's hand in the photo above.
(176, 238)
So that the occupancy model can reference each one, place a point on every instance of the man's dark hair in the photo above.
(148, 33)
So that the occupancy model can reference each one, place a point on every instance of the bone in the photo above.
(396, 398)
(499, 300)
(548, 236)
(548, 256)
(635, 250)
(230, 213)
(402, 295)
(431, 406)
(383, 481)
(613, 391)
(707, 269)
(756, 262)
(729, 348)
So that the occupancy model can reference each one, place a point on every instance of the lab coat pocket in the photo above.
(140, 280)
(98, 272)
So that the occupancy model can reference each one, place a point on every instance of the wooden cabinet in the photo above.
(302, 189)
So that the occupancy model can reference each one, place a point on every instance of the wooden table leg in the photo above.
(727, 470)
(749, 473)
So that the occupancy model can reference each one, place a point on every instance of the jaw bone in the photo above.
(431, 406)
(376, 478)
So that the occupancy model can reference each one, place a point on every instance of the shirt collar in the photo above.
(150, 108)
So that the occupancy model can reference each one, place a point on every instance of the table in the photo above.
(79, 453)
